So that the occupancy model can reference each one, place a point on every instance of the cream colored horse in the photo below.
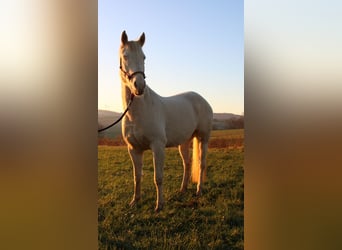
(155, 122)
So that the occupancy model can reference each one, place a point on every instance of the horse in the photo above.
(155, 122)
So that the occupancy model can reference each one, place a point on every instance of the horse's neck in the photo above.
(126, 95)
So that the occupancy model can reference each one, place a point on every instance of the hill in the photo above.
(221, 121)
(105, 118)
(225, 116)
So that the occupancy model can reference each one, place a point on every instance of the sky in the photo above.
(190, 46)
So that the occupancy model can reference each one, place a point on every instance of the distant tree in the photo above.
(232, 123)
(239, 122)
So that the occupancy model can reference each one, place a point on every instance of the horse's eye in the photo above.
(125, 55)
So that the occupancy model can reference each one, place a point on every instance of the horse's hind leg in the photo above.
(184, 152)
(203, 147)
(136, 157)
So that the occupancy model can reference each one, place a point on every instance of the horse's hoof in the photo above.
(182, 190)
(158, 208)
(199, 193)
(133, 202)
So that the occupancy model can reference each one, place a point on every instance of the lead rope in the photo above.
(120, 118)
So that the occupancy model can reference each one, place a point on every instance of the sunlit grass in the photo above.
(212, 221)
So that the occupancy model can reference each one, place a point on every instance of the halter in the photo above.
(130, 76)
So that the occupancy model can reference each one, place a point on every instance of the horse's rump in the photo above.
(186, 115)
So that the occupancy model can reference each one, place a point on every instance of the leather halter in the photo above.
(130, 76)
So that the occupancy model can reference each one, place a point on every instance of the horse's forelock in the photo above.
(131, 47)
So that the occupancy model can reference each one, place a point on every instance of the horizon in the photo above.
(228, 113)
(201, 50)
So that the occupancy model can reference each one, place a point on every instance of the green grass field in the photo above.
(213, 221)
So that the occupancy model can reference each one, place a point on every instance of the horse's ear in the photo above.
(142, 39)
(124, 38)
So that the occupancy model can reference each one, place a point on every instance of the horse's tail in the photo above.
(195, 161)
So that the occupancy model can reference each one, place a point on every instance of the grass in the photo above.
(212, 221)
(232, 138)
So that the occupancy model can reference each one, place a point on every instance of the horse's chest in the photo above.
(135, 135)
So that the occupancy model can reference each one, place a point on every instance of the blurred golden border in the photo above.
(293, 124)
(48, 129)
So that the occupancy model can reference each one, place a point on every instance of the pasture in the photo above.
(213, 221)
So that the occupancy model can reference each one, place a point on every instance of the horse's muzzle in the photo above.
(139, 86)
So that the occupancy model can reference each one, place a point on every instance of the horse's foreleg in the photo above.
(136, 157)
(158, 150)
(184, 152)
(203, 147)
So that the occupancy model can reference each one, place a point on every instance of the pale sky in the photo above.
(190, 46)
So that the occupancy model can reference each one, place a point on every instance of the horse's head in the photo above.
(132, 63)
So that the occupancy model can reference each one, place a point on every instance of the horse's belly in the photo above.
(172, 144)
(178, 135)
